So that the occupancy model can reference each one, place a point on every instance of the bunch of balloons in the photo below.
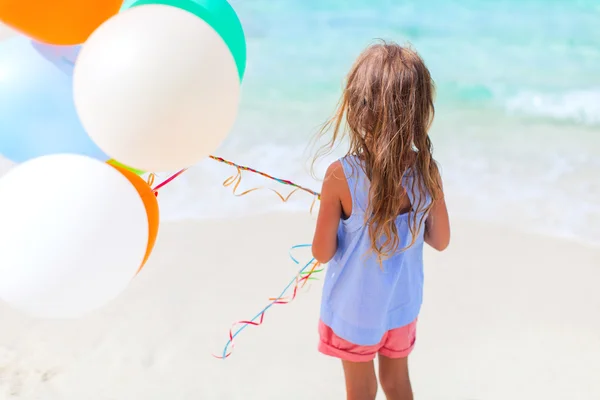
(93, 94)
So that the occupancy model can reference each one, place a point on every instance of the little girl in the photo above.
(379, 205)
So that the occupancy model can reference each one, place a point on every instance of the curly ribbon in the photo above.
(150, 182)
(236, 179)
(303, 275)
(279, 180)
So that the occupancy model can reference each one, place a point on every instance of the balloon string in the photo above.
(236, 179)
(150, 181)
(169, 179)
(279, 180)
(302, 277)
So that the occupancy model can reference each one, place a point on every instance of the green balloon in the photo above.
(220, 16)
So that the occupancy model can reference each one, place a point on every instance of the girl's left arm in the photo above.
(325, 240)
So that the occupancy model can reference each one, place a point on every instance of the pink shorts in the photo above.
(397, 343)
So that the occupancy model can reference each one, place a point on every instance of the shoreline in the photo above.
(494, 225)
(199, 195)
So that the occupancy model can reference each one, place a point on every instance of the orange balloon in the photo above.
(60, 22)
(151, 204)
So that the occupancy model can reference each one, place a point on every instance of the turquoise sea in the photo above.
(517, 130)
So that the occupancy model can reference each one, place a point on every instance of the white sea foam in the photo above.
(546, 191)
(536, 179)
(580, 106)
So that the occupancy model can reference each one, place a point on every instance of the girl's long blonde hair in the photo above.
(386, 111)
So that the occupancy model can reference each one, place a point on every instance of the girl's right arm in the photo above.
(330, 212)
(437, 225)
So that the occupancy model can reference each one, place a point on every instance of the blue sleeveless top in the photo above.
(361, 301)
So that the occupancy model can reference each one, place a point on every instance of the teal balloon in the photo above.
(127, 4)
(219, 15)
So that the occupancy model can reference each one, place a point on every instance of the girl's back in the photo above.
(364, 297)
(379, 205)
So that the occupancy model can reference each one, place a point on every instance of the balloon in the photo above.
(221, 16)
(62, 22)
(149, 198)
(63, 57)
(167, 98)
(115, 163)
(127, 4)
(37, 113)
(74, 233)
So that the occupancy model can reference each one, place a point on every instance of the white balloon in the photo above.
(156, 88)
(73, 234)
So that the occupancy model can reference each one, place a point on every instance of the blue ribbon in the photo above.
(292, 282)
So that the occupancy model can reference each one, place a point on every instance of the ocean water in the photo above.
(517, 130)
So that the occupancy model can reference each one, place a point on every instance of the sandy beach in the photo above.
(506, 315)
